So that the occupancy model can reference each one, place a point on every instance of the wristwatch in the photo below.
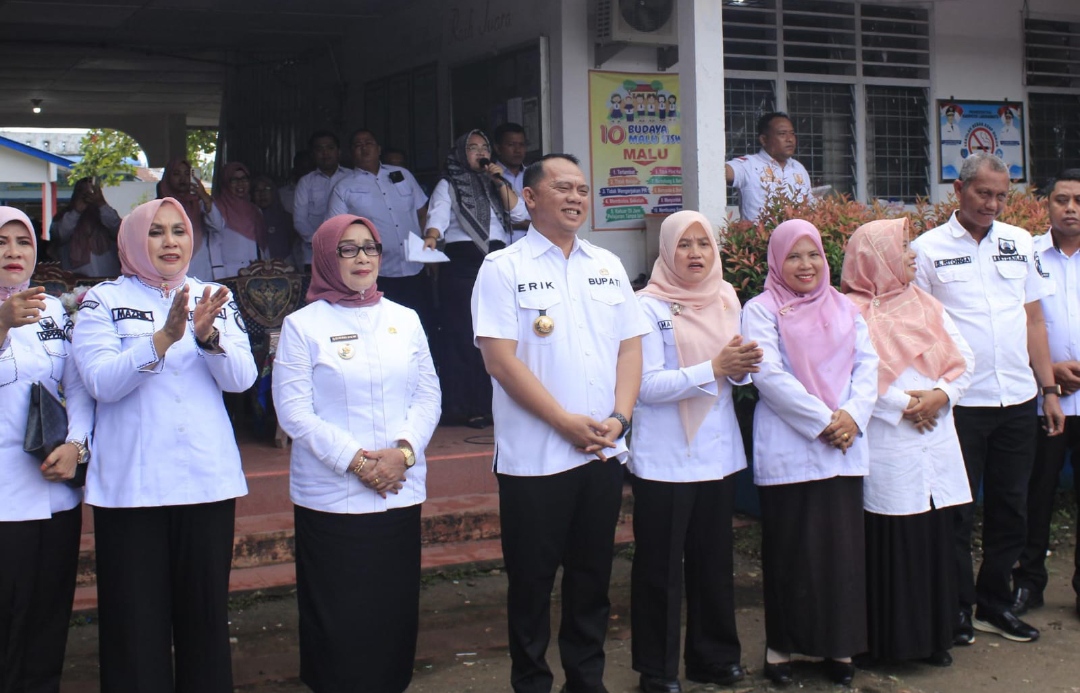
(84, 452)
(212, 342)
(623, 420)
(410, 456)
(1052, 390)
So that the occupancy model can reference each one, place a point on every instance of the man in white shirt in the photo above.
(560, 332)
(771, 170)
(313, 189)
(510, 148)
(1060, 259)
(988, 276)
(392, 199)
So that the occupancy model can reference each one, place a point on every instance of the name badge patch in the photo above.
(51, 334)
(132, 314)
(343, 338)
(664, 325)
(949, 262)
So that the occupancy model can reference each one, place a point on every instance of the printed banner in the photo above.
(635, 130)
(965, 127)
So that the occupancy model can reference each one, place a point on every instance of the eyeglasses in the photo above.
(474, 148)
(349, 250)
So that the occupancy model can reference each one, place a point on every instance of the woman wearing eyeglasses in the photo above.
(236, 225)
(473, 208)
(355, 387)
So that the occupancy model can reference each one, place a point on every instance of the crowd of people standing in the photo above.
(884, 406)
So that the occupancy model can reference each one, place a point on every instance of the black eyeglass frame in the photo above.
(354, 250)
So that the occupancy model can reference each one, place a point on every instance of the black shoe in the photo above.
(963, 631)
(779, 673)
(722, 675)
(1007, 626)
(840, 672)
(941, 658)
(1024, 600)
(655, 684)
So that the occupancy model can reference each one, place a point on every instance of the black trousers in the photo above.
(37, 586)
(358, 590)
(1042, 489)
(998, 444)
(465, 383)
(677, 523)
(563, 519)
(163, 587)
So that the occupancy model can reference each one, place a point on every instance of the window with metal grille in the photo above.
(897, 143)
(745, 100)
(824, 118)
(819, 37)
(895, 41)
(1054, 122)
(1052, 53)
(750, 35)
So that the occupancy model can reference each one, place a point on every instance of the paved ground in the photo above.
(462, 644)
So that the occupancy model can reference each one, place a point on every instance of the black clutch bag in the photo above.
(46, 429)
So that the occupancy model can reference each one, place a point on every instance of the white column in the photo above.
(701, 79)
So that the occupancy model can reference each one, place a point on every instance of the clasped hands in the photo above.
(588, 435)
(382, 471)
(923, 408)
(841, 431)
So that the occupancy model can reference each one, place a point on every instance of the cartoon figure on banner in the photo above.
(1010, 149)
(662, 110)
(639, 101)
(650, 106)
(672, 112)
(628, 109)
(616, 107)
(952, 157)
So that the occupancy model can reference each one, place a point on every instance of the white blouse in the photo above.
(163, 436)
(347, 379)
(37, 353)
(658, 447)
(789, 420)
(908, 468)
(228, 249)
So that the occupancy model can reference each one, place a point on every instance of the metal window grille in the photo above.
(824, 118)
(745, 100)
(895, 41)
(1054, 122)
(819, 37)
(1052, 53)
(897, 143)
(750, 35)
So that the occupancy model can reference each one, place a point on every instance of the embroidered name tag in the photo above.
(88, 305)
(535, 286)
(664, 325)
(132, 314)
(343, 338)
(51, 334)
(949, 262)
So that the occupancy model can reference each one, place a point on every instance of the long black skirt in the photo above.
(814, 563)
(358, 590)
(911, 583)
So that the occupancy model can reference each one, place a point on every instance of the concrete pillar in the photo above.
(701, 79)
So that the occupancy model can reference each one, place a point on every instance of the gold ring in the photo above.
(376, 481)
(846, 436)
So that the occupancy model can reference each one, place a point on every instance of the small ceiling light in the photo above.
(37, 105)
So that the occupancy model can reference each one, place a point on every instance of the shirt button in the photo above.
(179, 400)
(180, 429)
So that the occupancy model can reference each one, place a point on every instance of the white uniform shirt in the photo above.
(985, 287)
(1061, 310)
(105, 265)
(163, 436)
(909, 468)
(37, 353)
(589, 298)
(390, 205)
(229, 250)
(517, 182)
(441, 216)
(658, 447)
(385, 391)
(311, 202)
(788, 420)
(758, 175)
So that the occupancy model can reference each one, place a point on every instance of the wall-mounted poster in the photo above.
(965, 127)
(635, 122)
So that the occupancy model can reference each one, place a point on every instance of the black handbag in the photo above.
(47, 428)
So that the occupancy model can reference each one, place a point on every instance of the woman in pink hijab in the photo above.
(236, 225)
(917, 472)
(40, 514)
(157, 349)
(684, 454)
(817, 387)
(178, 183)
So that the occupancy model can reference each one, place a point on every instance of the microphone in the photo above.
(484, 163)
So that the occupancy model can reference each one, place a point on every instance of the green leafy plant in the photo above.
(201, 145)
(104, 156)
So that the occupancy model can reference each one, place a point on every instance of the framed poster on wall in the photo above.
(966, 127)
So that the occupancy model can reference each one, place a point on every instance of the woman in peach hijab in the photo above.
(917, 472)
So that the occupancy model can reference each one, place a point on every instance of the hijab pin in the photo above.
(676, 309)
(877, 302)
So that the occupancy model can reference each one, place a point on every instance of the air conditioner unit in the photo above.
(644, 22)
